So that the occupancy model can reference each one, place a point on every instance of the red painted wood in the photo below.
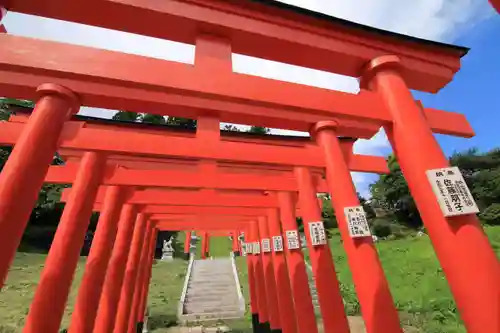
(283, 290)
(129, 280)
(473, 279)
(141, 276)
(306, 318)
(113, 282)
(260, 31)
(89, 292)
(270, 282)
(145, 288)
(51, 295)
(23, 173)
(76, 137)
(327, 284)
(193, 198)
(377, 305)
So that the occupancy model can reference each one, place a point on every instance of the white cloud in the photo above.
(438, 20)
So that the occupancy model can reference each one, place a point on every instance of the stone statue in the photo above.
(167, 250)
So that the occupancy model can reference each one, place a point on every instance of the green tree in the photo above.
(259, 130)
(126, 116)
(391, 193)
(152, 119)
(182, 122)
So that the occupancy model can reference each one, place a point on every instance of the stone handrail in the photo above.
(241, 300)
(180, 307)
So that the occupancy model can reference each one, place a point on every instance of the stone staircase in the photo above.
(211, 292)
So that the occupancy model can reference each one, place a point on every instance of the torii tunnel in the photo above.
(213, 181)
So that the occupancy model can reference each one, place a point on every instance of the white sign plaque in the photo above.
(248, 248)
(266, 245)
(356, 222)
(278, 243)
(317, 232)
(452, 192)
(256, 248)
(292, 239)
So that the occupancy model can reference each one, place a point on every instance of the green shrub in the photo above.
(491, 215)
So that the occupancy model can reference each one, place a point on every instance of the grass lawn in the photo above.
(416, 280)
(15, 298)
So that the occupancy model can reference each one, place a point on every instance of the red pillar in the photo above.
(141, 275)
(207, 245)
(47, 307)
(145, 287)
(327, 285)
(377, 305)
(236, 247)
(283, 291)
(23, 174)
(254, 307)
(268, 270)
(468, 261)
(127, 292)
(306, 319)
(260, 285)
(187, 244)
(204, 239)
(110, 296)
(82, 320)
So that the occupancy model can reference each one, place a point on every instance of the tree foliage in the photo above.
(259, 130)
(182, 122)
(481, 172)
(126, 116)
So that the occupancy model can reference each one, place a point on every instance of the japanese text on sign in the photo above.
(248, 248)
(452, 192)
(292, 239)
(317, 232)
(356, 222)
(266, 245)
(256, 248)
(244, 249)
(278, 243)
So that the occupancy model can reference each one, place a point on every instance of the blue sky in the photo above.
(475, 91)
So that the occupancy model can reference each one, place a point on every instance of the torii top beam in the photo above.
(103, 79)
(252, 199)
(162, 141)
(264, 29)
(199, 210)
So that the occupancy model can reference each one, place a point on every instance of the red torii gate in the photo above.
(388, 63)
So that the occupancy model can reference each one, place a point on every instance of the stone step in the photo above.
(210, 300)
(211, 292)
(205, 308)
(221, 274)
(208, 288)
(212, 316)
(209, 279)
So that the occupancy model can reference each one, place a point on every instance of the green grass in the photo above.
(166, 285)
(417, 283)
(16, 296)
